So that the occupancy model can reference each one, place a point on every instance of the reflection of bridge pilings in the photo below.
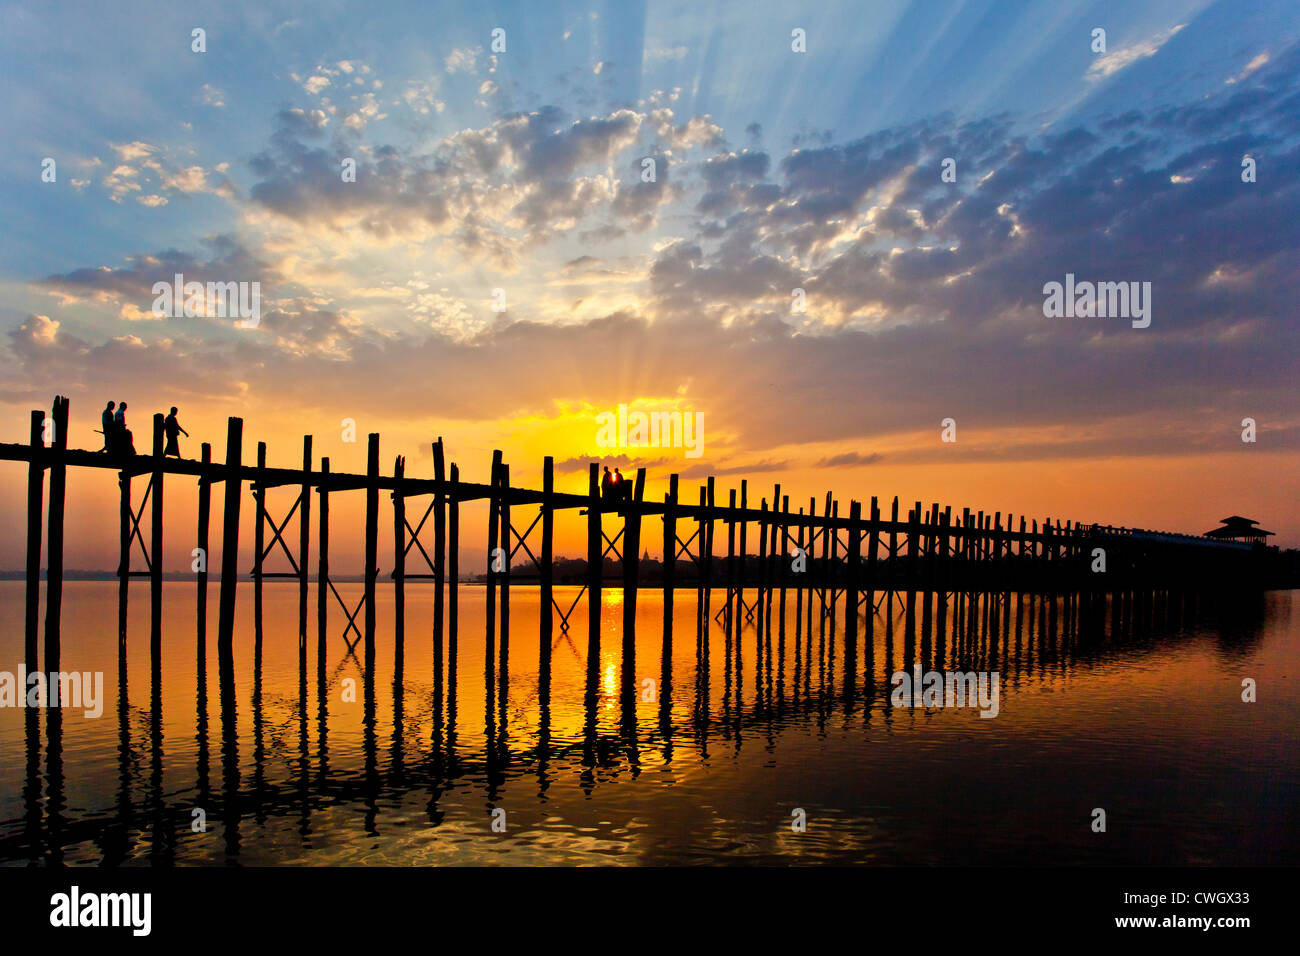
(1036, 640)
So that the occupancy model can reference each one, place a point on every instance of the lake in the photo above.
(784, 750)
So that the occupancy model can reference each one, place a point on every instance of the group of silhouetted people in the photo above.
(615, 486)
(117, 437)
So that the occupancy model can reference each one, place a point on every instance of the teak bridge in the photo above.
(866, 561)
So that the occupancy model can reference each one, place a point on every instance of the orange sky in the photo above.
(1186, 494)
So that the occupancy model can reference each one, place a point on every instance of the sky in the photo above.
(515, 177)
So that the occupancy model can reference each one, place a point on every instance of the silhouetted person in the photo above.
(606, 484)
(125, 444)
(616, 487)
(106, 424)
(171, 427)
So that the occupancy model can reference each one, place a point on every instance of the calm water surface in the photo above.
(626, 756)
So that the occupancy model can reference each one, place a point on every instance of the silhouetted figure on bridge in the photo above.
(106, 425)
(616, 487)
(606, 484)
(123, 443)
(171, 427)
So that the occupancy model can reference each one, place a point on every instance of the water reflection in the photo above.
(784, 666)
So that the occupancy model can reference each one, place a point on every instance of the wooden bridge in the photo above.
(865, 560)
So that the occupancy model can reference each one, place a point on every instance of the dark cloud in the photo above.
(849, 459)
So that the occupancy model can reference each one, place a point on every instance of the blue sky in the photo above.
(521, 171)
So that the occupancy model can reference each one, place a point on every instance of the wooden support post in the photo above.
(932, 531)
(124, 516)
(372, 544)
(851, 604)
(731, 564)
(913, 558)
(323, 561)
(35, 511)
(873, 547)
(1020, 570)
(744, 554)
(762, 576)
(708, 579)
(811, 553)
(546, 572)
(507, 544)
(439, 558)
(632, 560)
(229, 533)
(833, 566)
(453, 569)
(54, 539)
(827, 575)
(205, 517)
(701, 622)
(670, 558)
(767, 571)
(156, 547)
(800, 583)
(945, 556)
(399, 554)
(259, 535)
(494, 530)
(304, 541)
(783, 560)
(893, 554)
(595, 550)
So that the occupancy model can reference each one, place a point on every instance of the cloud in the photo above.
(849, 459)
(211, 96)
(1108, 64)
(1255, 63)
(463, 60)
(924, 298)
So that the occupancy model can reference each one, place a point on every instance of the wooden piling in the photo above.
(783, 561)
(873, 569)
(827, 575)
(490, 579)
(54, 538)
(205, 516)
(156, 547)
(323, 562)
(631, 563)
(399, 554)
(595, 552)
(731, 564)
(670, 558)
(799, 585)
(259, 536)
(851, 585)
(439, 557)
(453, 568)
(35, 511)
(708, 563)
(372, 544)
(124, 516)
(304, 540)
(893, 554)
(229, 533)
(701, 622)
(546, 572)
(744, 554)
(762, 577)
(507, 545)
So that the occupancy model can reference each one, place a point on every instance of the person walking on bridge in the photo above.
(171, 427)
